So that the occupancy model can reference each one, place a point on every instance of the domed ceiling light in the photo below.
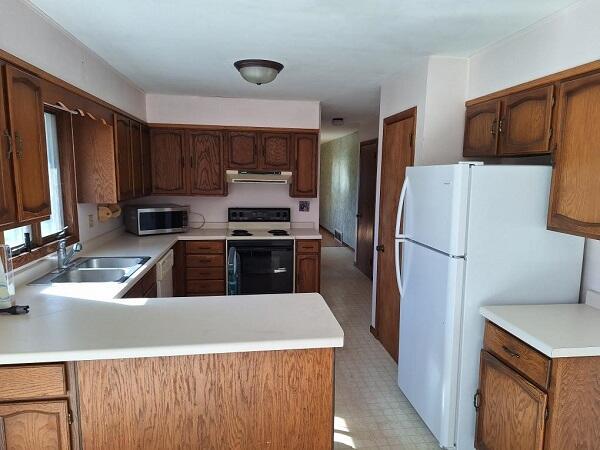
(258, 71)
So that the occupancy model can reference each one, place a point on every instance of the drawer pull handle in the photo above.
(510, 352)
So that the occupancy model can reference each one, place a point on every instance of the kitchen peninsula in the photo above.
(97, 371)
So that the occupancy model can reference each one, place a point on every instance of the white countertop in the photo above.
(78, 321)
(557, 331)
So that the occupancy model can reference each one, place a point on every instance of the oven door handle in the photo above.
(280, 270)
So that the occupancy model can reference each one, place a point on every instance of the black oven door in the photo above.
(265, 266)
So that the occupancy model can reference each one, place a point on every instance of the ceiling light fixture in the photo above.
(258, 71)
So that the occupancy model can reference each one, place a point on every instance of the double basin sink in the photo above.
(95, 270)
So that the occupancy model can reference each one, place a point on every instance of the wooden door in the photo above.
(169, 151)
(146, 162)
(207, 173)
(365, 228)
(574, 196)
(397, 154)
(526, 122)
(137, 167)
(306, 166)
(34, 425)
(308, 273)
(8, 206)
(124, 157)
(511, 412)
(481, 129)
(242, 150)
(30, 159)
(275, 151)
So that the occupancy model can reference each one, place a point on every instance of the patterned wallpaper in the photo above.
(338, 191)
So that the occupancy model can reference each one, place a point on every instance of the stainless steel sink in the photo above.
(108, 262)
(91, 276)
(96, 270)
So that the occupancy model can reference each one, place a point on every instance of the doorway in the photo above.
(365, 217)
(397, 154)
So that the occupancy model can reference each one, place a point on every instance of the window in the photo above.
(42, 236)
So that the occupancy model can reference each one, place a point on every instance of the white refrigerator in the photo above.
(471, 235)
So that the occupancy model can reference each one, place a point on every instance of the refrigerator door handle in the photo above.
(401, 208)
(397, 264)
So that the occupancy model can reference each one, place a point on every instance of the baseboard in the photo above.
(373, 331)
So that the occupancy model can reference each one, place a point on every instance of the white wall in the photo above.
(566, 39)
(33, 37)
(238, 112)
(437, 86)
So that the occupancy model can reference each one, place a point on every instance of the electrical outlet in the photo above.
(304, 206)
(91, 220)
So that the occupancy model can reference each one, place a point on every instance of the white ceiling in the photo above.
(335, 51)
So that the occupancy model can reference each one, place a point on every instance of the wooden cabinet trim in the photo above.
(25, 382)
(234, 128)
(485, 130)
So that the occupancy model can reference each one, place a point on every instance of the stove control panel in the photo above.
(258, 214)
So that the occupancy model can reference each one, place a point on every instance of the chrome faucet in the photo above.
(64, 257)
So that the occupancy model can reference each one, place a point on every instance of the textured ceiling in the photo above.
(335, 51)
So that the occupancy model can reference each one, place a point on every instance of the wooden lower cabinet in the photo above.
(280, 400)
(145, 287)
(308, 266)
(35, 425)
(203, 266)
(517, 409)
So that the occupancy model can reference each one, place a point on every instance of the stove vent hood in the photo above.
(258, 177)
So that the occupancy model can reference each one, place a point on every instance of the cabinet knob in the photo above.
(380, 248)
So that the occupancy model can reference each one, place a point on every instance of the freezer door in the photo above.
(430, 313)
(435, 206)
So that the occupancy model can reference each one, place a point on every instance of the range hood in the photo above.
(258, 177)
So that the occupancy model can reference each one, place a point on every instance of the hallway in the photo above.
(370, 410)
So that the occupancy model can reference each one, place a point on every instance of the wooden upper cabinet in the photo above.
(146, 162)
(137, 167)
(206, 161)
(511, 414)
(306, 165)
(526, 122)
(575, 192)
(27, 131)
(242, 150)
(35, 425)
(8, 205)
(124, 159)
(481, 129)
(275, 151)
(169, 152)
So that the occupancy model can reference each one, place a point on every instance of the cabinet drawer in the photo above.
(205, 260)
(312, 246)
(205, 273)
(205, 247)
(205, 287)
(35, 381)
(517, 354)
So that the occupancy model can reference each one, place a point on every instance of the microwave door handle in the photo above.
(397, 264)
(401, 208)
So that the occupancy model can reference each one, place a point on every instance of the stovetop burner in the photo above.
(279, 232)
(241, 233)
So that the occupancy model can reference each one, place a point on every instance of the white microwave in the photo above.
(144, 220)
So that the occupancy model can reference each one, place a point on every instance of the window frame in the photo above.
(43, 246)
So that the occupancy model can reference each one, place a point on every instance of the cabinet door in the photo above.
(308, 273)
(146, 162)
(207, 173)
(168, 150)
(306, 166)
(8, 206)
(242, 150)
(574, 195)
(481, 129)
(34, 426)
(275, 151)
(526, 122)
(511, 414)
(30, 160)
(124, 158)
(137, 167)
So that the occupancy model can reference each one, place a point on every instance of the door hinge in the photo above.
(500, 125)
(553, 100)
(411, 140)
(70, 417)
(380, 248)
(477, 400)
(9, 150)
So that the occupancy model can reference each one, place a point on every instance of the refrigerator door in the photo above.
(434, 202)
(430, 313)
